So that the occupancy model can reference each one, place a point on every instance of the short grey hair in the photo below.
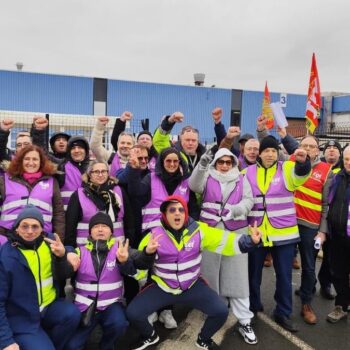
(125, 133)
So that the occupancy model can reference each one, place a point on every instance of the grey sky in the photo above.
(236, 43)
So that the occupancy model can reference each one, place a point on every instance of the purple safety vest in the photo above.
(71, 183)
(178, 269)
(151, 212)
(115, 165)
(152, 164)
(18, 196)
(109, 289)
(242, 162)
(215, 210)
(89, 209)
(277, 203)
(3, 240)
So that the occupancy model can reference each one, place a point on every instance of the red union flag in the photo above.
(266, 108)
(314, 101)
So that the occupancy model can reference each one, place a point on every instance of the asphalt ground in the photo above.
(323, 335)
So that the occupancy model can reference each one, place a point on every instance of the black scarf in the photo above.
(102, 195)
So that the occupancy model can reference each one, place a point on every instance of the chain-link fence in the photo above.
(81, 125)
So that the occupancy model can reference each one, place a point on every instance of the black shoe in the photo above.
(297, 291)
(286, 323)
(206, 344)
(327, 293)
(145, 343)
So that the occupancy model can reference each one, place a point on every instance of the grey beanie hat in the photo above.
(29, 211)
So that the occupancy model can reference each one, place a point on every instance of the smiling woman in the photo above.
(29, 180)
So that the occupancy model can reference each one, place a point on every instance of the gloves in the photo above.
(206, 158)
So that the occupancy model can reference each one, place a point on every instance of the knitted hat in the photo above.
(29, 211)
(100, 218)
(173, 199)
(144, 132)
(334, 144)
(245, 137)
(268, 142)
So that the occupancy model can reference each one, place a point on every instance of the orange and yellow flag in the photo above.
(266, 108)
(314, 100)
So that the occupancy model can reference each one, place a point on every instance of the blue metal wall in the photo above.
(22, 91)
(252, 104)
(341, 104)
(147, 100)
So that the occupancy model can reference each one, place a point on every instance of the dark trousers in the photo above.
(282, 261)
(113, 323)
(324, 275)
(340, 267)
(308, 256)
(200, 296)
(59, 322)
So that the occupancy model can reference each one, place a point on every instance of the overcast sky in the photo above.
(236, 43)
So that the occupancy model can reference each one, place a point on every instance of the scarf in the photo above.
(32, 177)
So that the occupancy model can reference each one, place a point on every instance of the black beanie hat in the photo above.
(144, 132)
(333, 143)
(29, 211)
(268, 142)
(100, 218)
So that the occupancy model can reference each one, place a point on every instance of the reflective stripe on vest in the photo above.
(110, 285)
(308, 197)
(72, 181)
(215, 210)
(280, 213)
(150, 213)
(19, 195)
(89, 209)
(39, 262)
(177, 266)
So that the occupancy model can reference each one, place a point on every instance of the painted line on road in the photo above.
(286, 334)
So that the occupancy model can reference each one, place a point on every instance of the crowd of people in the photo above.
(117, 238)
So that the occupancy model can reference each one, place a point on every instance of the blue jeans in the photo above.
(200, 296)
(308, 256)
(282, 262)
(113, 323)
(58, 324)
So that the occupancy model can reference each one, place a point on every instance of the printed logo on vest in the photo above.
(189, 246)
(316, 175)
(182, 190)
(275, 180)
(110, 265)
(44, 185)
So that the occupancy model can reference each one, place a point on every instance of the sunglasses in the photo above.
(142, 159)
(169, 161)
(222, 162)
(173, 210)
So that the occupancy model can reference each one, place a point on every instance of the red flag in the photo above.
(266, 108)
(314, 100)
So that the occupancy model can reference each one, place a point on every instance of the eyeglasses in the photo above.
(169, 161)
(173, 210)
(26, 227)
(23, 144)
(99, 172)
(222, 162)
(142, 158)
(306, 146)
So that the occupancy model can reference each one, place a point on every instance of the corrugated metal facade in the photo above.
(252, 103)
(147, 100)
(45, 93)
(341, 104)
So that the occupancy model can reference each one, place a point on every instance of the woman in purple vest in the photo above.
(99, 283)
(29, 180)
(99, 192)
(226, 203)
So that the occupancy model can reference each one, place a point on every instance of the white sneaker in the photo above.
(166, 317)
(247, 332)
(153, 318)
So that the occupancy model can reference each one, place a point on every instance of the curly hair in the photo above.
(16, 165)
